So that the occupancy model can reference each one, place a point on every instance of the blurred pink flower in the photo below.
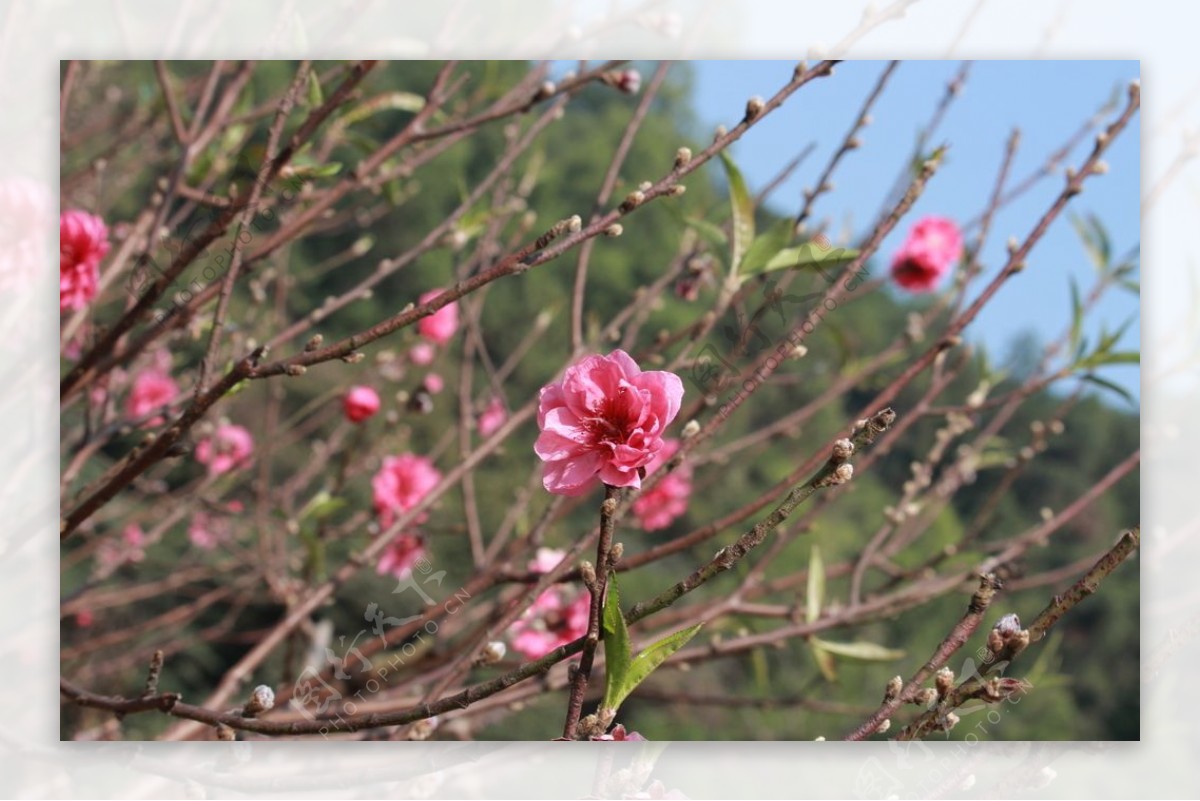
(229, 447)
(604, 418)
(84, 618)
(401, 556)
(657, 508)
(618, 733)
(557, 617)
(422, 353)
(24, 211)
(151, 391)
(546, 560)
(492, 417)
(82, 242)
(934, 245)
(401, 484)
(433, 383)
(113, 553)
(207, 531)
(360, 403)
(440, 326)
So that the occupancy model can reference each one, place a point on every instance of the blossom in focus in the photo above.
(230, 446)
(24, 211)
(401, 556)
(401, 483)
(657, 507)
(605, 419)
(152, 390)
(934, 245)
(421, 353)
(440, 326)
(618, 733)
(360, 403)
(492, 417)
(82, 243)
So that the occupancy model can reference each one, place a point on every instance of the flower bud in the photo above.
(261, 700)
(893, 688)
(492, 653)
(682, 157)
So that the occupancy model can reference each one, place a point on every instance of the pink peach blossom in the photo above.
(433, 383)
(360, 403)
(229, 447)
(492, 417)
(558, 616)
(422, 354)
(606, 419)
(152, 390)
(82, 243)
(84, 618)
(401, 556)
(546, 560)
(401, 484)
(657, 507)
(933, 247)
(440, 326)
(629, 81)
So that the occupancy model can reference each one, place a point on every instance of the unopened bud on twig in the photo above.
(883, 727)
(843, 449)
(492, 653)
(614, 230)
(296, 369)
(261, 700)
(925, 696)
(314, 343)
(676, 190)
(842, 474)
(616, 552)
(893, 688)
(587, 571)
(354, 358)
(943, 681)
(632, 201)
(690, 430)
(682, 157)
(754, 107)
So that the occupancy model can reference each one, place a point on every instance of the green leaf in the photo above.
(859, 650)
(816, 585)
(766, 246)
(315, 96)
(712, 234)
(314, 171)
(618, 653)
(1095, 240)
(808, 255)
(1109, 385)
(742, 206)
(321, 505)
(649, 659)
(825, 661)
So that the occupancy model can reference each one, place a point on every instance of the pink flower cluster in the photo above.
(605, 419)
(152, 390)
(659, 506)
(82, 243)
(492, 417)
(229, 447)
(933, 247)
(558, 616)
(401, 483)
(131, 548)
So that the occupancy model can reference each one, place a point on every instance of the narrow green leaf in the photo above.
(315, 96)
(1112, 387)
(322, 171)
(742, 206)
(825, 661)
(766, 246)
(816, 585)
(861, 651)
(646, 662)
(1094, 238)
(618, 653)
(320, 506)
(808, 255)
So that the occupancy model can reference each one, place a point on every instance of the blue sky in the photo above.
(1046, 100)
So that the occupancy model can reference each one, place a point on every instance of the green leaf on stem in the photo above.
(766, 246)
(816, 586)
(742, 206)
(859, 651)
(623, 673)
(808, 255)
(1104, 383)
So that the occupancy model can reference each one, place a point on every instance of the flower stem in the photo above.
(579, 680)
